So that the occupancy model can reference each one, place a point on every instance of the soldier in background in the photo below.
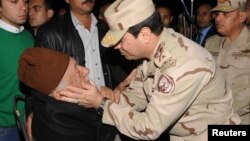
(232, 51)
(248, 14)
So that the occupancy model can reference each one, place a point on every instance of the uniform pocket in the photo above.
(240, 60)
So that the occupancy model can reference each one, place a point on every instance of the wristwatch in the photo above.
(100, 108)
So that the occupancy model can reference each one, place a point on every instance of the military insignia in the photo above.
(108, 40)
(138, 79)
(170, 63)
(165, 84)
(223, 1)
(161, 54)
(159, 51)
(226, 8)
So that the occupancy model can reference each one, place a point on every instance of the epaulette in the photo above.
(211, 37)
(161, 54)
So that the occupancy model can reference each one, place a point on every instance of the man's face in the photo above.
(38, 14)
(132, 48)
(203, 16)
(165, 16)
(14, 12)
(228, 23)
(75, 74)
(81, 7)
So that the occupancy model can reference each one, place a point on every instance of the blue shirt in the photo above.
(204, 33)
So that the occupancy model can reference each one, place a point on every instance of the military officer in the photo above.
(232, 51)
(178, 88)
(248, 14)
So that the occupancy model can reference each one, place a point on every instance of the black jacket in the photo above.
(57, 120)
(60, 34)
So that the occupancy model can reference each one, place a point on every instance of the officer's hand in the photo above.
(107, 92)
(87, 96)
(124, 84)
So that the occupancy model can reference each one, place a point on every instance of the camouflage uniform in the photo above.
(234, 59)
(178, 87)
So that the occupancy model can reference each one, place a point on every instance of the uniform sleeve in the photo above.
(172, 93)
(134, 96)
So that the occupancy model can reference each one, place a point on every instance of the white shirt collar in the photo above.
(76, 22)
(10, 28)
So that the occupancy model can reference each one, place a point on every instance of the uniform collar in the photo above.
(160, 56)
(10, 28)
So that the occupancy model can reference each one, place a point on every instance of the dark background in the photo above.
(176, 5)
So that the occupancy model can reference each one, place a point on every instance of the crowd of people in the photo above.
(125, 71)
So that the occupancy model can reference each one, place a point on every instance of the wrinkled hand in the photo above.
(87, 96)
(28, 126)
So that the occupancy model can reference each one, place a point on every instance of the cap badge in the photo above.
(108, 40)
(223, 1)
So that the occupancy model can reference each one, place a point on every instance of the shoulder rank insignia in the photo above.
(161, 55)
(159, 51)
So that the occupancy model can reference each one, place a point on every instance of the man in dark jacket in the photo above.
(205, 23)
(47, 72)
(76, 34)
